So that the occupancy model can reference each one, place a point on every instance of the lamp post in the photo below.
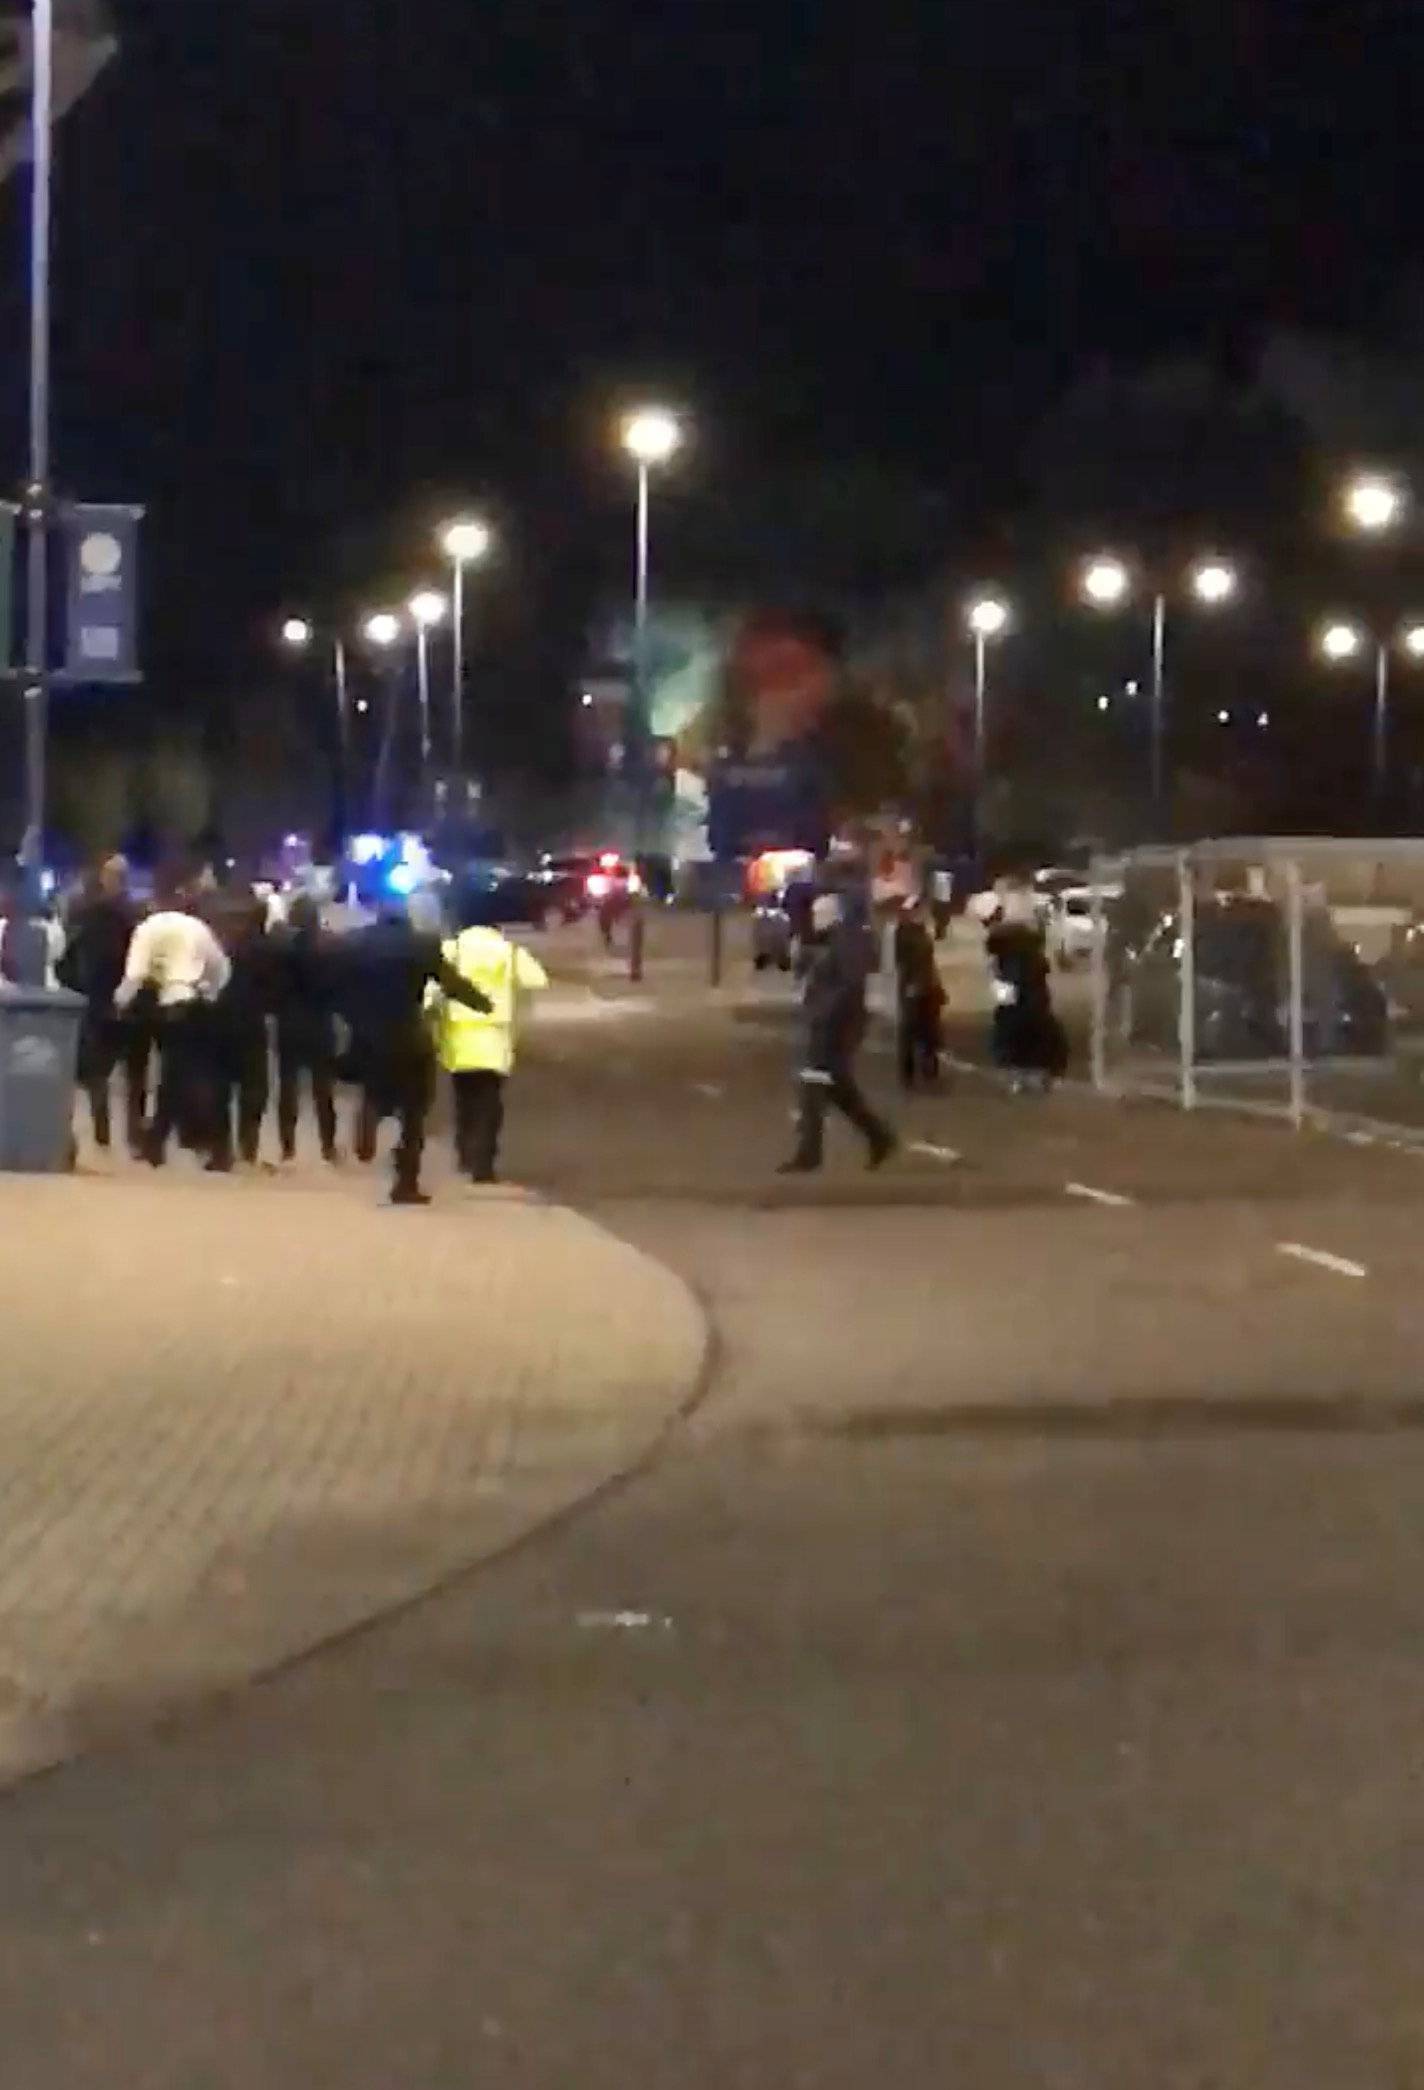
(427, 609)
(299, 634)
(1106, 584)
(1342, 641)
(465, 542)
(36, 676)
(652, 437)
(987, 618)
(382, 632)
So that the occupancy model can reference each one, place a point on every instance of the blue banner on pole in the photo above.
(101, 556)
(767, 802)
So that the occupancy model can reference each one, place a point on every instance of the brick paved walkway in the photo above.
(235, 1421)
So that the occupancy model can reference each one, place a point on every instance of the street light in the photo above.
(466, 541)
(427, 609)
(987, 618)
(382, 629)
(1342, 641)
(652, 437)
(1105, 583)
(1373, 503)
(298, 636)
(1213, 582)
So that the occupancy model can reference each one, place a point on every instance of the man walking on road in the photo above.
(388, 969)
(101, 930)
(178, 958)
(476, 1047)
(838, 964)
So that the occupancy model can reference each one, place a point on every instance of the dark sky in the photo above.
(323, 260)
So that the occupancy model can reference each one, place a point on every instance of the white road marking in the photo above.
(624, 1622)
(926, 1146)
(1114, 1198)
(712, 1090)
(1360, 1139)
(1340, 1264)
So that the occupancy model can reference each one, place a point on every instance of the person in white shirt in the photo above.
(174, 957)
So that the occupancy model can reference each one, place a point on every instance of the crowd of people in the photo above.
(204, 1009)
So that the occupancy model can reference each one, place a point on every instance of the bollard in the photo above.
(636, 932)
(715, 953)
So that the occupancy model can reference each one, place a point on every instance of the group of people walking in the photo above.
(839, 954)
(203, 991)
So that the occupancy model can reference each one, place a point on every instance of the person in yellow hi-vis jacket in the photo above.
(477, 1047)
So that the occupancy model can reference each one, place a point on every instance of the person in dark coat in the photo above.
(919, 998)
(1027, 1038)
(385, 971)
(93, 965)
(837, 963)
(304, 992)
(238, 1060)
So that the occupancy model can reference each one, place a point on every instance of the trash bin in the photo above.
(39, 1044)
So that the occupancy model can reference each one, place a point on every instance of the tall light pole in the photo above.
(1106, 584)
(988, 619)
(37, 492)
(382, 632)
(465, 542)
(652, 437)
(1341, 642)
(427, 609)
(299, 635)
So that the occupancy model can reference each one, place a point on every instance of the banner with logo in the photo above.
(101, 557)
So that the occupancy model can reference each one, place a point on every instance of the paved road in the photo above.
(1009, 1677)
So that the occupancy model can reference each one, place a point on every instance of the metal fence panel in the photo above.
(1296, 968)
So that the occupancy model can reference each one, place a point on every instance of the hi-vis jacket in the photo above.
(467, 1040)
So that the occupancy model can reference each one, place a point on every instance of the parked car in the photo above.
(1243, 988)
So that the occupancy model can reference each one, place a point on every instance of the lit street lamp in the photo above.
(1373, 503)
(465, 542)
(382, 630)
(652, 437)
(298, 636)
(1342, 641)
(987, 618)
(1105, 583)
(427, 609)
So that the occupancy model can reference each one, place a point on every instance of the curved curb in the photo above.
(55, 1736)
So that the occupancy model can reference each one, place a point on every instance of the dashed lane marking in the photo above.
(714, 1091)
(1112, 1198)
(1321, 1258)
(934, 1153)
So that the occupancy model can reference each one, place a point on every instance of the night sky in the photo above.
(325, 263)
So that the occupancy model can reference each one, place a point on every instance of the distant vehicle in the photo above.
(1242, 986)
(571, 887)
(1073, 930)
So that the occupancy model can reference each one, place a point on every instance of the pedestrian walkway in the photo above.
(236, 1422)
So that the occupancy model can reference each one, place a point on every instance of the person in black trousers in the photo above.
(838, 962)
(304, 987)
(238, 1075)
(919, 999)
(381, 992)
(93, 965)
